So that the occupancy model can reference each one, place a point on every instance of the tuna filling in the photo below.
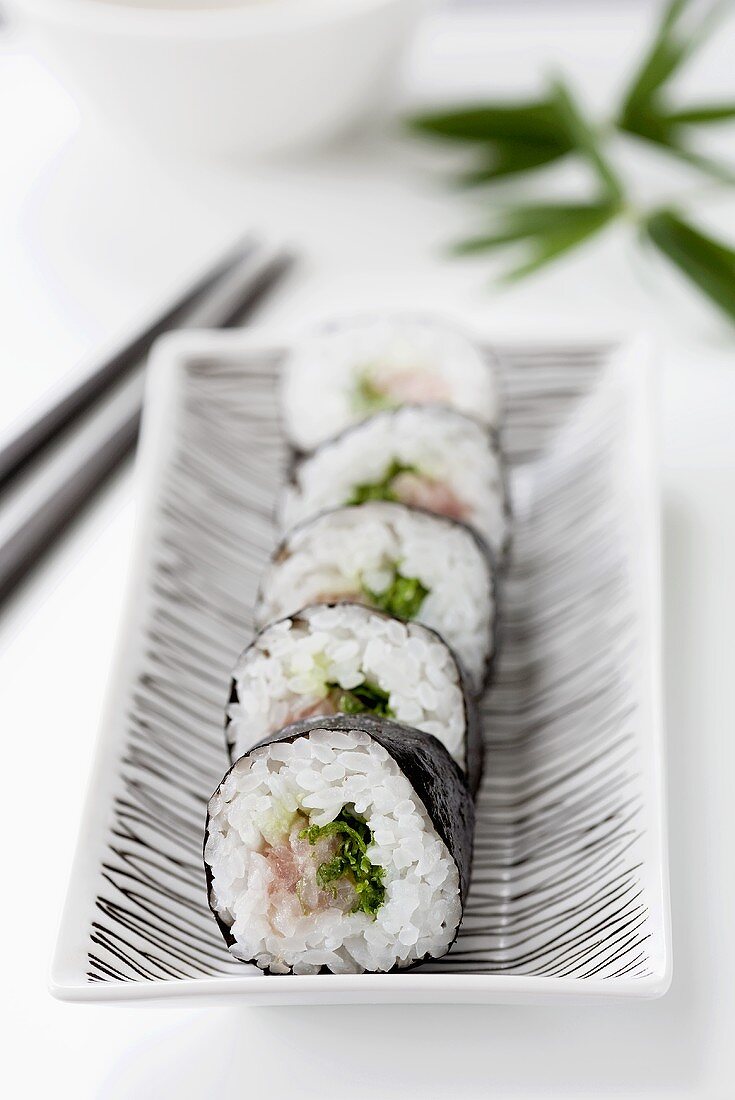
(385, 388)
(408, 485)
(322, 867)
(365, 698)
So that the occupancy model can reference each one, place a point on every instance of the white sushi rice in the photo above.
(447, 447)
(319, 774)
(282, 676)
(350, 552)
(407, 358)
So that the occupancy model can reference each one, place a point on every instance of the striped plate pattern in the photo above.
(557, 886)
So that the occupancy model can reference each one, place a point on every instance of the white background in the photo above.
(93, 233)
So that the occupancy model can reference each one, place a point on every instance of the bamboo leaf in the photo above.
(534, 122)
(657, 70)
(719, 171)
(671, 47)
(707, 112)
(652, 126)
(699, 35)
(584, 138)
(705, 262)
(520, 223)
(659, 132)
(660, 62)
(512, 138)
(712, 252)
(510, 157)
(556, 242)
(671, 14)
(485, 242)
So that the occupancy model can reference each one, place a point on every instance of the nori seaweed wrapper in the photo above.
(434, 776)
(474, 743)
(297, 459)
(495, 574)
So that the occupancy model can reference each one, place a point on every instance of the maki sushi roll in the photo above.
(412, 564)
(340, 845)
(352, 369)
(348, 659)
(426, 456)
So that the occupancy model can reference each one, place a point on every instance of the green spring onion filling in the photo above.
(350, 861)
(367, 398)
(365, 698)
(403, 597)
(383, 488)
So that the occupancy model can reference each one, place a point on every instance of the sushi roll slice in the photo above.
(348, 659)
(410, 563)
(340, 845)
(425, 456)
(352, 369)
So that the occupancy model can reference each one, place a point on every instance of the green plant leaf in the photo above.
(704, 261)
(664, 56)
(515, 137)
(671, 47)
(659, 130)
(719, 256)
(507, 158)
(653, 126)
(584, 138)
(554, 243)
(706, 112)
(523, 222)
(719, 171)
(534, 122)
(697, 36)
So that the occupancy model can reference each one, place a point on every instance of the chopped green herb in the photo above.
(350, 861)
(363, 698)
(383, 488)
(403, 597)
(368, 398)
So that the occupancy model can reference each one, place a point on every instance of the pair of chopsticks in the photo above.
(54, 463)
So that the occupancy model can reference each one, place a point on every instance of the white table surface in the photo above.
(90, 234)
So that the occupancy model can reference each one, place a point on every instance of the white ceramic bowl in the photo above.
(227, 77)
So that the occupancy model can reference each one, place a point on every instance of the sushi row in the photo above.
(341, 837)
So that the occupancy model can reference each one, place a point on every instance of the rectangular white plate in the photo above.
(569, 894)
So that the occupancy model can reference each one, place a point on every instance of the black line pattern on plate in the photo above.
(556, 886)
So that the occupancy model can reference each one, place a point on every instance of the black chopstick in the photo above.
(27, 545)
(67, 495)
(30, 442)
